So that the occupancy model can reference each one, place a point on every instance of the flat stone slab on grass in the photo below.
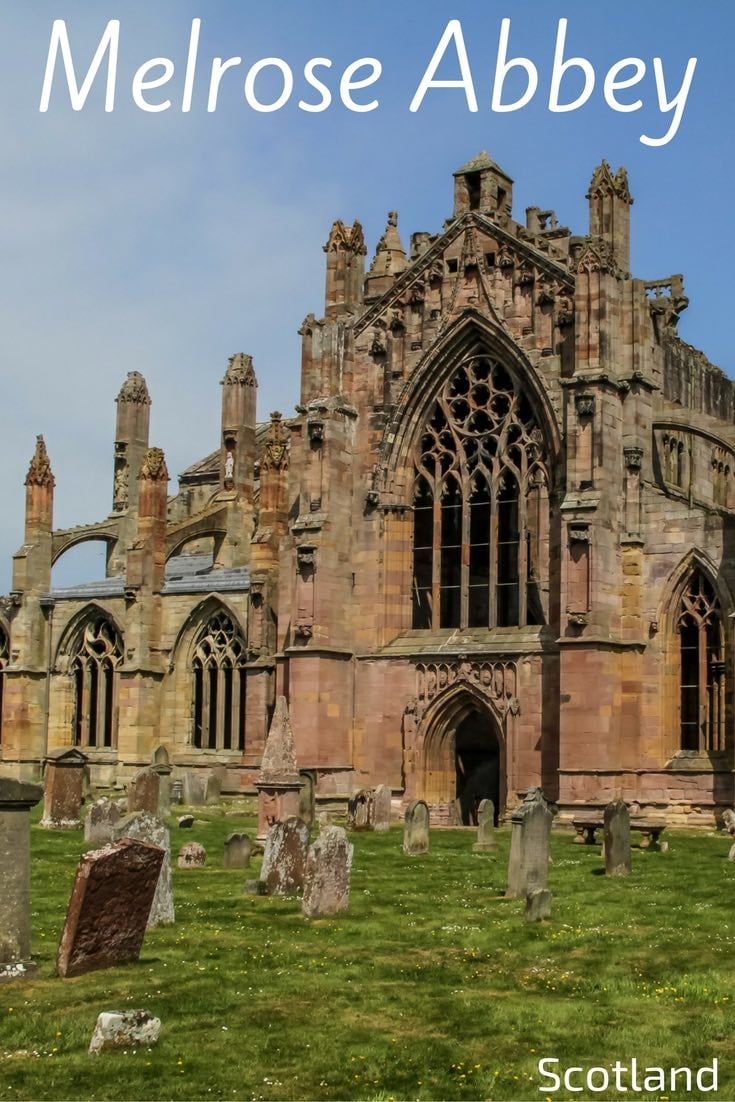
(123, 1029)
(109, 907)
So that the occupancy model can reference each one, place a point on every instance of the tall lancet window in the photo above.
(702, 669)
(480, 547)
(97, 655)
(4, 659)
(219, 686)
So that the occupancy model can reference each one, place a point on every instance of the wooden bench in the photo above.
(587, 826)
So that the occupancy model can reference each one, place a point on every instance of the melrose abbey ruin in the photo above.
(493, 549)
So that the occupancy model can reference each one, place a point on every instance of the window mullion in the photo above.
(464, 608)
(436, 563)
(522, 556)
(703, 700)
(493, 555)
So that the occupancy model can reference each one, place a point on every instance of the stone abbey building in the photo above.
(492, 549)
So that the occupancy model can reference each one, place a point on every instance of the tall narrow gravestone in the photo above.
(360, 810)
(144, 792)
(528, 864)
(284, 858)
(16, 801)
(416, 828)
(144, 827)
(327, 878)
(63, 787)
(109, 907)
(617, 839)
(278, 783)
(381, 807)
(486, 842)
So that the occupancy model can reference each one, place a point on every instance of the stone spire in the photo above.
(345, 249)
(279, 757)
(39, 472)
(240, 371)
(134, 390)
(610, 202)
(390, 258)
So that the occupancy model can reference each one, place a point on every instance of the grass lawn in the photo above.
(431, 987)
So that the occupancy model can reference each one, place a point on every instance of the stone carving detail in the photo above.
(315, 429)
(579, 533)
(275, 453)
(240, 371)
(39, 472)
(134, 390)
(349, 239)
(584, 405)
(633, 458)
(496, 680)
(154, 466)
(120, 487)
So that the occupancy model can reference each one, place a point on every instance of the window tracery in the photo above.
(480, 504)
(219, 685)
(97, 655)
(702, 668)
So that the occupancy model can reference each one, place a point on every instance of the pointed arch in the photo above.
(91, 651)
(211, 646)
(480, 463)
(470, 335)
(698, 666)
(462, 755)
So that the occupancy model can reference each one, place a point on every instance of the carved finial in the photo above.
(275, 452)
(154, 466)
(390, 257)
(279, 756)
(134, 389)
(621, 186)
(39, 472)
(344, 238)
(604, 183)
(240, 371)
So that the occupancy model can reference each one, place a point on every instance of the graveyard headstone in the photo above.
(528, 863)
(144, 827)
(284, 859)
(238, 849)
(16, 801)
(327, 879)
(486, 840)
(382, 796)
(416, 828)
(617, 839)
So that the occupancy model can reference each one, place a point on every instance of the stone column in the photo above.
(16, 801)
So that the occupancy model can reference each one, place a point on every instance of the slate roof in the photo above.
(184, 574)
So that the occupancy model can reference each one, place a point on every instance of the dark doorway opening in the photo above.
(477, 759)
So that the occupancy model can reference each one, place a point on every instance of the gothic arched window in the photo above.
(480, 505)
(219, 686)
(702, 667)
(97, 655)
(4, 659)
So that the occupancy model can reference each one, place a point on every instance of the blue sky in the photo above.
(166, 242)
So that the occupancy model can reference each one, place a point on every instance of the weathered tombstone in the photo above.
(144, 827)
(284, 859)
(186, 821)
(162, 766)
(381, 807)
(16, 801)
(325, 820)
(176, 789)
(728, 821)
(99, 826)
(486, 841)
(123, 1030)
(238, 848)
(538, 905)
(213, 788)
(416, 828)
(327, 878)
(192, 855)
(278, 783)
(360, 810)
(109, 907)
(63, 786)
(528, 864)
(144, 791)
(194, 788)
(617, 839)
(307, 798)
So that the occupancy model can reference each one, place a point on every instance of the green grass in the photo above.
(431, 987)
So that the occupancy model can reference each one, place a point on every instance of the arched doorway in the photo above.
(462, 757)
(477, 763)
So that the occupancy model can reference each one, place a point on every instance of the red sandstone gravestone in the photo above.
(63, 787)
(109, 907)
(144, 792)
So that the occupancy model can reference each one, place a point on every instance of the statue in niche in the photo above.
(229, 467)
(120, 490)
